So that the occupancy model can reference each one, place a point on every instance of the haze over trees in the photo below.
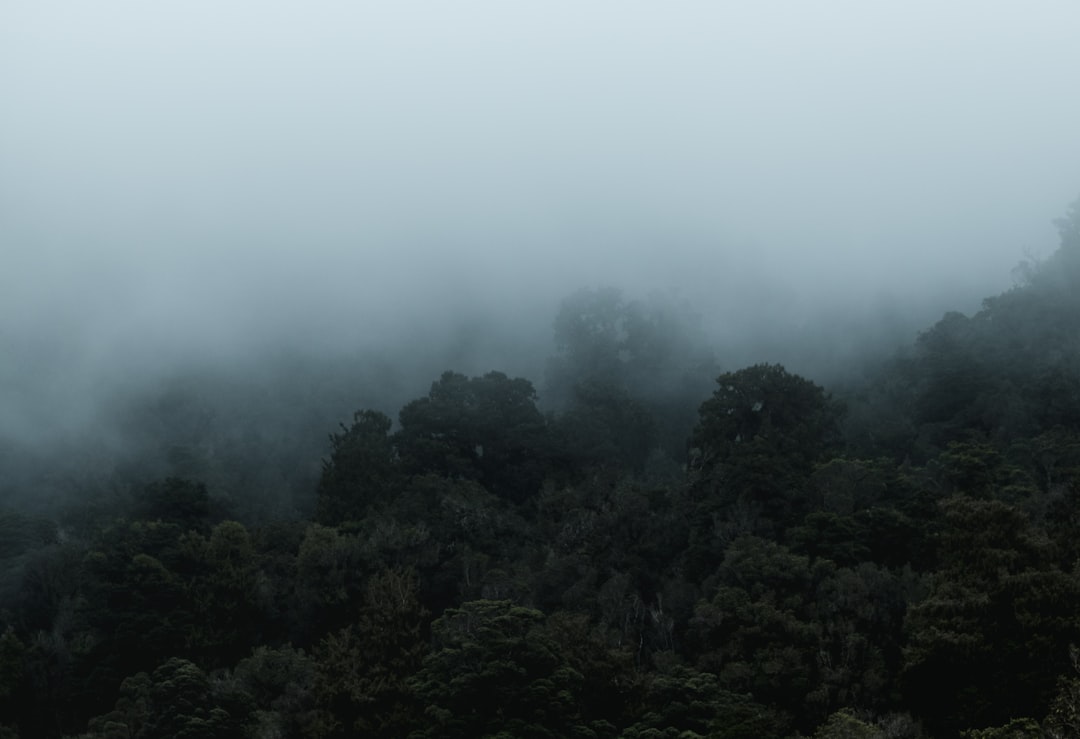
(488, 369)
(897, 558)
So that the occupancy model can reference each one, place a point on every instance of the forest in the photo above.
(663, 548)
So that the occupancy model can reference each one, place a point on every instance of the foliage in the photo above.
(843, 725)
(179, 700)
(494, 669)
(683, 702)
(486, 429)
(1017, 728)
(184, 503)
(757, 441)
(362, 471)
(606, 428)
(362, 670)
(992, 634)
(628, 375)
(280, 686)
(485, 569)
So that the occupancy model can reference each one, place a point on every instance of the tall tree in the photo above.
(486, 429)
(363, 470)
(756, 443)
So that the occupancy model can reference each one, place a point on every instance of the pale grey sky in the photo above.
(197, 173)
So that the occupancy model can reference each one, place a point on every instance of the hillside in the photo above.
(662, 549)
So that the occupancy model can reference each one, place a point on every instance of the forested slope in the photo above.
(668, 550)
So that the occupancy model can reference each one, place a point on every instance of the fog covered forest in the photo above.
(663, 547)
(502, 370)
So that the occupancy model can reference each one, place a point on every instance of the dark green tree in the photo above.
(12, 652)
(684, 703)
(1063, 719)
(362, 671)
(992, 635)
(1017, 728)
(486, 429)
(844, 725)
(758, 633)
(605, 428)
(185, 503)
(363, 470)
(755, 446)
(136, 603)
(495, 671)
(177, 700)
(221, 579)
(279, 684)
(329, 578)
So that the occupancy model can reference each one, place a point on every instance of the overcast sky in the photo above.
(199, 173)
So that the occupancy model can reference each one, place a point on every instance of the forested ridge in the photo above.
(663, 549)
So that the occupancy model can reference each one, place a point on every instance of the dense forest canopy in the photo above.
(487, 369)
(664, 548)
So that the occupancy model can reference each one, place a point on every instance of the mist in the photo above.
(385, 191)
(484, 368)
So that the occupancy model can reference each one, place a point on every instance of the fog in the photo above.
(203, 185)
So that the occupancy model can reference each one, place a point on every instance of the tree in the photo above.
(756, 443)
(1017, 728)
(136, 601)
(177, 700)
(280, 686)
(495, 670)
(329, 579)
(684, 703)
(647, 355)
(185, 503)
(363, 470)
(590, 333)
(20, 533)
(1063, 719)
(844, 725)
(758, 633)
(221, 590)
(12, 652)
(605, 428)
(1009, 370)
(486, 429)
(362, 671)
(988, 641)
(1068, 227)
(792, 416)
